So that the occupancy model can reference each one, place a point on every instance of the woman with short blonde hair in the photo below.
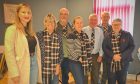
(50, 50)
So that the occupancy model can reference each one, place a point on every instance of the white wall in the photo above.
(80, 7)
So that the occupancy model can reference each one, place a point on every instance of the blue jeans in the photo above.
(55, 80)
(75, 67)
(119, 76)
(33, 70)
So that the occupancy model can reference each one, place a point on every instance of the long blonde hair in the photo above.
(18, 23)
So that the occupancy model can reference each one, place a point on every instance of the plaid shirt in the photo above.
(62, 32)
(50, 50)
(85, 44)
(85, 50)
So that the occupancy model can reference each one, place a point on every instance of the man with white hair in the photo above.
(63, 29)
(107, 28)
(118, 47)
(95, 35)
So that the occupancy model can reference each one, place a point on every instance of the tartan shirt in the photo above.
(60, 31)
(85, 47)
(50, 56)
(85, 44)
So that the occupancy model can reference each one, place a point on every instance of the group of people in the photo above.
(64, 47)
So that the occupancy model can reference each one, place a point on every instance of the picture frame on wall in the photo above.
(9, 12)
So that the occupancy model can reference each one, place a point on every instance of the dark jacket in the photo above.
(126, 47)
(109, 29)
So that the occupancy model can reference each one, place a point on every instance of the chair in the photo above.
(138, 54)
(3, 80)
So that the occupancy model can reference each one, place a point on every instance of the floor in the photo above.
(130, 80)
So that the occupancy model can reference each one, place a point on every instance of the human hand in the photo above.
(57, 69)
(117, 57)
(80, 59)
(16, 79)
(99, 59)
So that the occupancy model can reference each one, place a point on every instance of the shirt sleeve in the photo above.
(10, 54)
(101, 41)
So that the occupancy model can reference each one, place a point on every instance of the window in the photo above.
(123, 9)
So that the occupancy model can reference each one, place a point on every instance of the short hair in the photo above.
(92, 15)
(64, 9)
(50, 17)
(117, 20)
(105, 12)
(77, 17)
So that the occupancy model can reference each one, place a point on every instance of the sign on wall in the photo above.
(9, 13)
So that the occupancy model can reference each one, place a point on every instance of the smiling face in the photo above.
(24, 14)
(116, 25)
(93, 20)
(105, 17)
(63, 16)
(78, 23)
(49, 23)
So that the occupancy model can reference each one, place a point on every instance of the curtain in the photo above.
(123, 9)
